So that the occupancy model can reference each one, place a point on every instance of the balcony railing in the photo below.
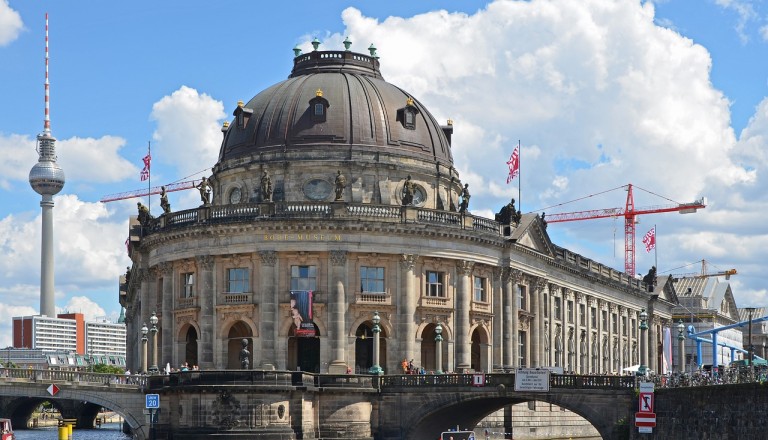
(186, 303)
(236, 298)
(373, 298)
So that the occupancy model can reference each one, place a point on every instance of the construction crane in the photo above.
(629, 212)
(171, 187)
(706, 274)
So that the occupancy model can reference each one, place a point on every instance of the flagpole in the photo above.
(656, 248)
(149, 180)
(519, 177)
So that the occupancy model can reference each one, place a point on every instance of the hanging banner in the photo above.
(301, 313)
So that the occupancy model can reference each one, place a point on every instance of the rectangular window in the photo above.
(435, 284)
(521, 350)
(604, 320)
(582, 314)
(614, 323)
(594, 317)
(624, 331)
(633, 327)
(238, 280)
(371, 279)
(546, 306)
(304, 278)
(480, 289)
(558, 309)
(188, 285)
(522, 297)
(319, 108)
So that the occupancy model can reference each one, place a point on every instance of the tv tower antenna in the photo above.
(47, 179)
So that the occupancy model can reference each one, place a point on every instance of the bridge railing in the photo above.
(570, 381)
(60, 376)
(225, 377)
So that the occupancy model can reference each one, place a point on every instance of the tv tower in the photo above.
(47, 179)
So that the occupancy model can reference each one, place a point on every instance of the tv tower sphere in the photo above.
(46, 177)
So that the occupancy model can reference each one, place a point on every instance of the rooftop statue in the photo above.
(464, 199)
(164, 203)
(205, 191)
(341, 183)
(266, 187)
(508, 215)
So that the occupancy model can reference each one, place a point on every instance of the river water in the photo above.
(108, 431)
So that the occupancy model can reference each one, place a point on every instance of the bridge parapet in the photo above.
(71, 376)
(566, 381)
(258, 378)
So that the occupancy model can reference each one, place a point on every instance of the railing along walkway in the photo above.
(70, 376)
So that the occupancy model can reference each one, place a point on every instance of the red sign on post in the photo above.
(645, 403)
(645, 419)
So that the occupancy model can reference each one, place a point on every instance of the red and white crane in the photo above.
(629, 212)
(171, 187)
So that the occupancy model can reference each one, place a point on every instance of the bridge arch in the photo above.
(432, 413)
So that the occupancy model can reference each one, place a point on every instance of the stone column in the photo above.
(337, 308)
(167, 323)
(537, 324)
(205, 265)
(611, 339)
(407, 307)
(508, 303)
(268, 319)
(463, 300)
(498, 319)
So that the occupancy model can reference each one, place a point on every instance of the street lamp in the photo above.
(154, 320)
(376, 369)
(144, 331)
(438, 347)
(751, 348)
(643, 355)
(681, 344)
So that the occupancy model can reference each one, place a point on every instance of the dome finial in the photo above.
(319, 93)
(372, 50)
(347, 43)
(409, 102)
(240, 103)
(296, 51)
(450, 121)
(315, 43)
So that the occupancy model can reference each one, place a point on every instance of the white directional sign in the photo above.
(531, 379)
(153, 401)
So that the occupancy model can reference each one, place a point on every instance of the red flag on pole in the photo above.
(649, 240)
(514, 164)
(145, 172)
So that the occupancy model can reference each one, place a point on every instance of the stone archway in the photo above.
(190, 346)
(364, 348)
(239, 331)
(428, 347)
(479, 353)
(303, 351)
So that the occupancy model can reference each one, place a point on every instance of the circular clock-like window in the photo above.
(317, 189)
(235, 195)
(419, 195)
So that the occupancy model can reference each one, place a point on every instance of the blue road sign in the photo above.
(152, 400)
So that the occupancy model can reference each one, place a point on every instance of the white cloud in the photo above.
(10, 23)
(84, 305)
(188, 131)
(600, 96)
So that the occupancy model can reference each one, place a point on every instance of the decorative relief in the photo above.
(268, 258)
(205, 262)
(567, 293)
(165, 268)
(516, 275)
(408, 261)
(579, 297)
(142, 275)
(591, 301)
(612, 308)
(338, 257)
(465, 267)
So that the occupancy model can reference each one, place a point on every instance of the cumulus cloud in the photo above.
(600, 96)
(84, 305)
(188, 130)
(10, 23)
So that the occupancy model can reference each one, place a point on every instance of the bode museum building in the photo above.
(335, 197)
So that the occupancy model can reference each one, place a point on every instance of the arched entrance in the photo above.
(364, 348)
(303, 351)
(237, 333)
(190, 346)
(479, 351)
(428, 347)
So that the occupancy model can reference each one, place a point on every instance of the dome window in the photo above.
(242, 115)
(407, 114)
(318, 107)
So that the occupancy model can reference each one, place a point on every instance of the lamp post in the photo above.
(144, 331)
(154, 320)
(438, 348)
(750, 347)
(643, 355)
(681, 345)
(376, 368)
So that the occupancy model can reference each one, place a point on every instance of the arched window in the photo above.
(407, 114)
(318, 107)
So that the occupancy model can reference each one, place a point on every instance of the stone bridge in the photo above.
(80, 396)
(285, 405)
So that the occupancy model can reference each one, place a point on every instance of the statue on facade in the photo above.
(508, 214)
(341, 183)
(464, 199)
(245, 361)
(408, 190)
(543, 219)
(145, 218)
(164, 203)
(205, 191)
(266, 187)
(650, 279)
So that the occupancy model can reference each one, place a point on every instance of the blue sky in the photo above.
(668, 95)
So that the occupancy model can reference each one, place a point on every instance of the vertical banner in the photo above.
(667, 345)
(301, 312)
